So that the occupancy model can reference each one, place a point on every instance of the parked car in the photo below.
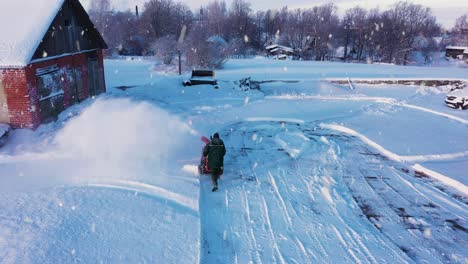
(457, 99)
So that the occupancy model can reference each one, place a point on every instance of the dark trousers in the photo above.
(215, 174)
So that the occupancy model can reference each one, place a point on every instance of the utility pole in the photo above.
(180, 61)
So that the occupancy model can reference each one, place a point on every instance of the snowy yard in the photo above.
(314, 173)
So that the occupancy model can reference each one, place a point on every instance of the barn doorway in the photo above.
(95, 75)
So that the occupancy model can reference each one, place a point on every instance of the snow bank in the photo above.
(334, 97)
(351, 132)
(410, 159)
(274, 119)
(444, 179)
(154, 191)
(393, 156)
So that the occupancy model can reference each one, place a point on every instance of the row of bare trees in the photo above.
(315, 33)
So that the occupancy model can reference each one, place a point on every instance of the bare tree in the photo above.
(165, 17)
(202, 50)
(100, 12)
(404, 23)
(215, 17)
(239, 18)
(460, 31)
(165, 48)
(355, 28)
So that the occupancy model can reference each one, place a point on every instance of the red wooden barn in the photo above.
(50, 58)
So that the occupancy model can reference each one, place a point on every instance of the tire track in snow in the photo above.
(345, 245)
(395, 157)
(404, 205)
(263, 195)
(251, 235)
(272, 235)
(280, 198)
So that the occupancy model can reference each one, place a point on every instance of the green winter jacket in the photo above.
(215, 151)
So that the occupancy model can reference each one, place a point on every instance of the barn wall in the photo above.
(73, 71)
(21, 102)
(101, 67)
(4, 115)
(16, 88)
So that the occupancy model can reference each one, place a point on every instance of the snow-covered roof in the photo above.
(457, 47)
(23, 24)
(271, 46)
(274, 48)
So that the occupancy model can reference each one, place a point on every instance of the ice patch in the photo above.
(446, 180)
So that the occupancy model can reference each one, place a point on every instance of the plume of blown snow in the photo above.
(122, 138)
(112, 139)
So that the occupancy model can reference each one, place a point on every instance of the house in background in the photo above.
(456, 52)
(50, 58)
(279, 52)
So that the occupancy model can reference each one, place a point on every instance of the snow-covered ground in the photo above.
(314, 173)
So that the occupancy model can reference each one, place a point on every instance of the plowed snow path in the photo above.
(295, 193)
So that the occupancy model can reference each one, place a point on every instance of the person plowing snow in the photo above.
(214, 151)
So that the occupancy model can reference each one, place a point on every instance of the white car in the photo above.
(457, 99)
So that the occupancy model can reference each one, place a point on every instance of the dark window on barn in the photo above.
(76, 85)
(50, 92)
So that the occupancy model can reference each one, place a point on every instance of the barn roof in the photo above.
(23, 25)
(275, 47)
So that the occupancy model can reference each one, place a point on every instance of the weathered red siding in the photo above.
(20, 87)
(101, 66)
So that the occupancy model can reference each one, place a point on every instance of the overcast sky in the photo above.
(446, 11)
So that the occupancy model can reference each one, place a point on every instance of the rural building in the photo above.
(50, 58)
(280, 52)
(456, 52)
